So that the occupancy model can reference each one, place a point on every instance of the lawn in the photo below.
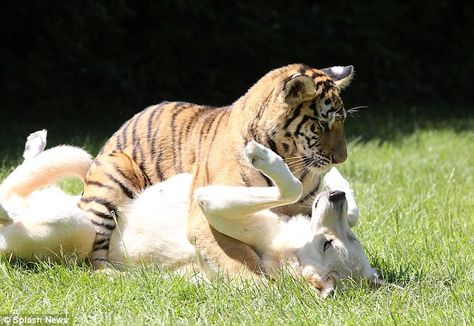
(413, 176)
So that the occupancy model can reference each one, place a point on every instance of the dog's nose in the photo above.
(336, 195)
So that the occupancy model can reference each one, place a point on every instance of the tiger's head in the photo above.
(301, 115)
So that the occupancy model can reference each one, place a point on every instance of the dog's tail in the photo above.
(46, 168)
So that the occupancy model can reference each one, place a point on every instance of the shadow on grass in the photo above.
(43, 265)
(398, 275)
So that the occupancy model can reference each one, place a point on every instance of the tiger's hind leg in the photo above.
(111, 183)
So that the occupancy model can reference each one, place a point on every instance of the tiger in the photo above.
(295, 110)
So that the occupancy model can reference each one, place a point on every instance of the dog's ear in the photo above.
(328, 288)
(376, 282)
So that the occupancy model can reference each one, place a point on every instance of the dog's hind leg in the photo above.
(35, 144)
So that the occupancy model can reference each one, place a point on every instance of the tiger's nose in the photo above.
(339, 158)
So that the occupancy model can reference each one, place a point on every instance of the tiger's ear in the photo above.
(341, 76)
(299, 88)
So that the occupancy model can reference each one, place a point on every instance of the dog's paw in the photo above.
(35, 144)
(261, 157)
(352, 216)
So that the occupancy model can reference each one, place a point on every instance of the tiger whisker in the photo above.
(303, 171)
(352, 112)
(360, 107)
(299, 172)
(296, 165)
(293, 159)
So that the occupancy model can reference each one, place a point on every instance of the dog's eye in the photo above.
(316, 203)
(327, 245)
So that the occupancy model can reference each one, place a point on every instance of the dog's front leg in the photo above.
(234, 202)
(333, 180)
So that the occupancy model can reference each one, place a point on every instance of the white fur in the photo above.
(153, 229)
(244, 214)
(337, 69)
(333, 180)
(45, 223)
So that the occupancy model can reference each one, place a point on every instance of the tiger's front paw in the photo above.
(263, 158)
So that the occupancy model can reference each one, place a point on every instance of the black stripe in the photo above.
(322, 82)
(262, 107)
(272, 145)
(135, 140)
(146, 178)
(106, 216)
(303, 69)
(102, 224)
(159, 172)
(267, 180)
(313, 107)
(96, 162)
(157, 152)
(208, 120)
(100, 242)
(103, 234)
(295, 115)
(98, 184)
(101, 201)
(300, 124)
(312, 192)
(245, 179)
(142, 154)
(125, 131)
(254, 135)
(102, 246)
(184, 138)
(220, 115)
(176, 156)
(150, 122)
(119, 145)
(124, 188)
(155, 133)
(207, 174)
(122, 174)
(304, 174)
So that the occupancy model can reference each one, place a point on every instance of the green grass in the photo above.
(414, 182)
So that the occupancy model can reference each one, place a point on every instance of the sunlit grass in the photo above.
(415, 191)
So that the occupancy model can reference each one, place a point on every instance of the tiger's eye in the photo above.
(327, 102)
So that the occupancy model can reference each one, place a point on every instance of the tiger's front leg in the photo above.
(113, 180)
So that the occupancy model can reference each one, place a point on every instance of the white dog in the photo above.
(40, 222)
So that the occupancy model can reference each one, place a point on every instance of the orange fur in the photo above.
(279, 111)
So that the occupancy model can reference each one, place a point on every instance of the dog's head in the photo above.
(334, 255)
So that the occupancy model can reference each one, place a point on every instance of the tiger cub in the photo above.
(295, 110)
